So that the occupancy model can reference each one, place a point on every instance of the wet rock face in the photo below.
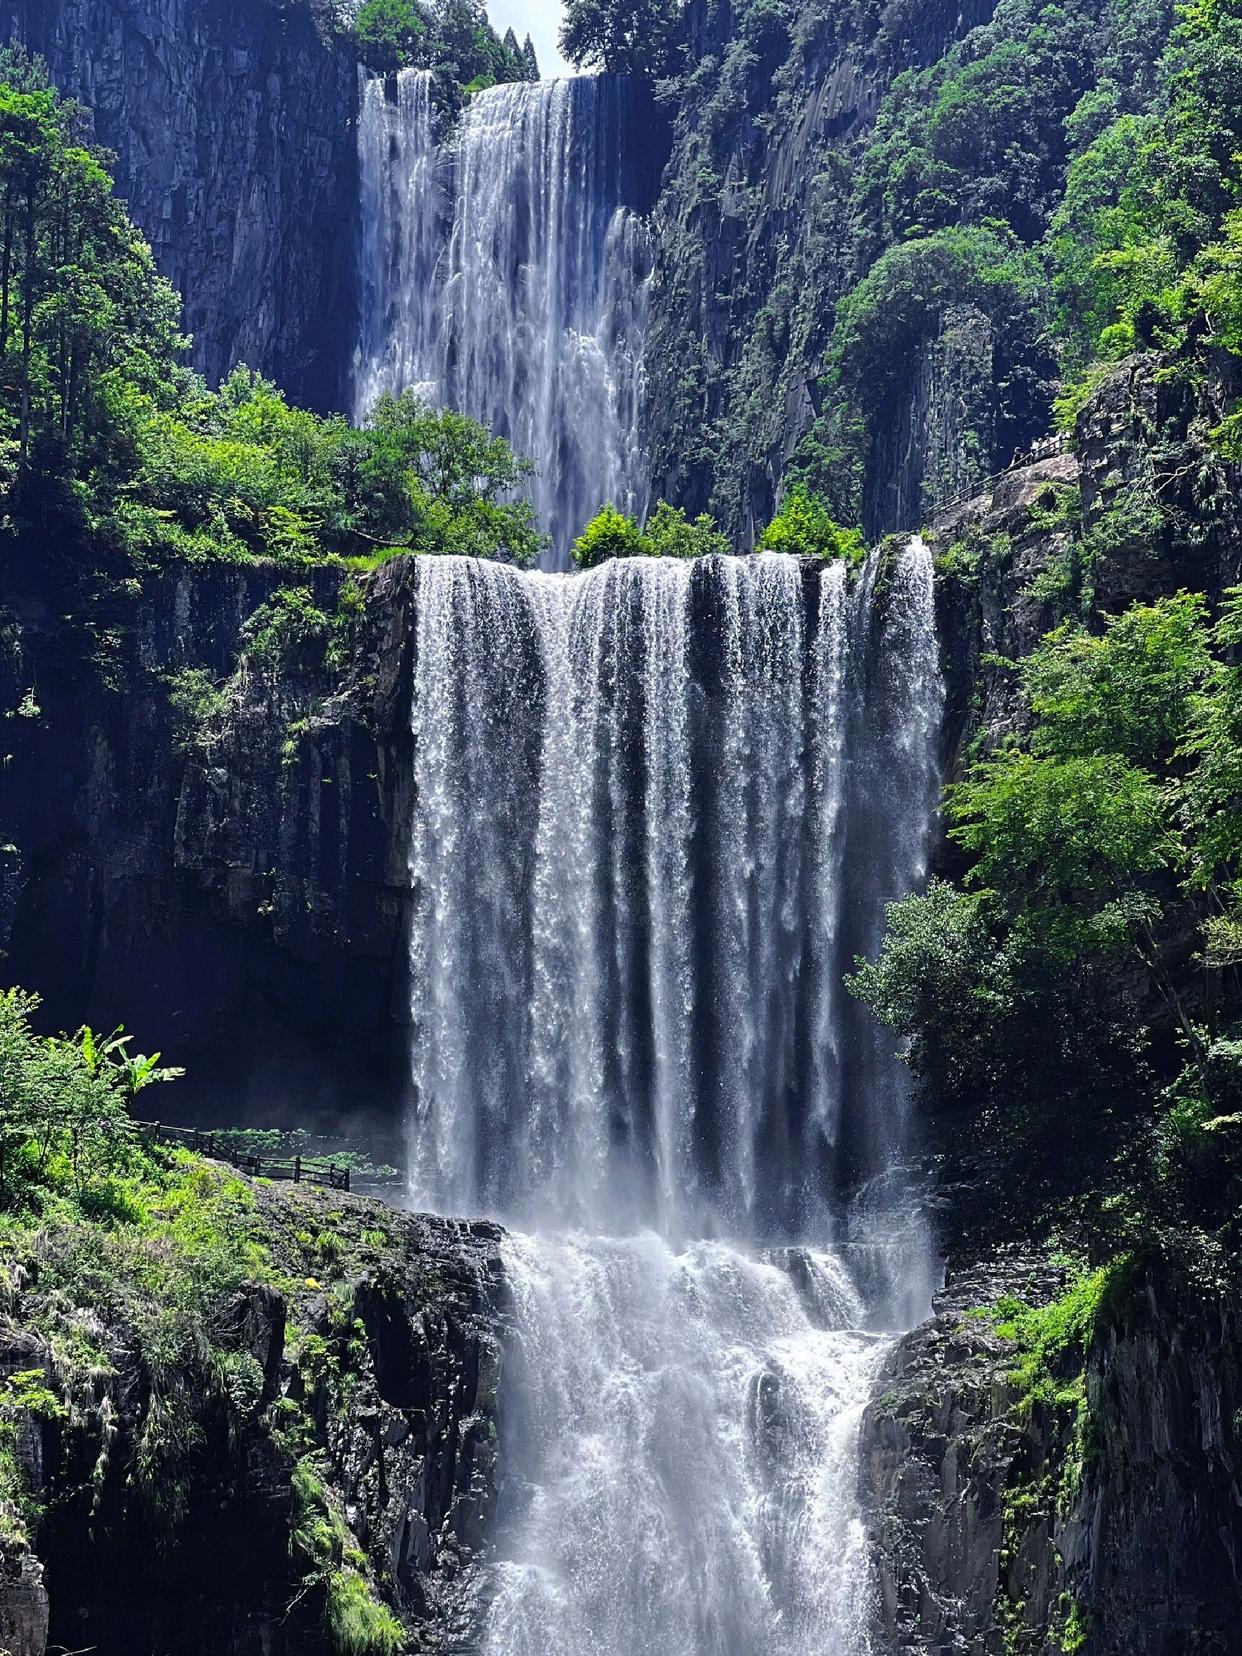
(939, 1447)
(986, 1543)
(23, 1603)
(1155, 1536)
(233, 126)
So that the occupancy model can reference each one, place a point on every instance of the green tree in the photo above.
(1211, 802)
(671, 534)
(610, 534)
(1126, 691)
(465, 45)
(1150, 197)
(805, 527)
(391, 34)
(88, 331)
(439, 481)
(64, 1102)
(628, 37)
(1072, 837)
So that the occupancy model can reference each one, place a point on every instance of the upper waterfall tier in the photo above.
(504, 274)
(659, 810)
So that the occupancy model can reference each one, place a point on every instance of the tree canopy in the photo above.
(453, 36)
(1047, 989)
(627, 37)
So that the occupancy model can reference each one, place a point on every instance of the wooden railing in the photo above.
(208, 1143)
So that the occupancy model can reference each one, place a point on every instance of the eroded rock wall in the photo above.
(755, 246)
(235, 894)
(1006, 1524)
(233, 126)
(375, 1368)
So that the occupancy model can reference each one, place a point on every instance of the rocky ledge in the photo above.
(1088, 1503)
(276, 1468)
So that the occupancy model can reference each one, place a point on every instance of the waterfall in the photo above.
(503, 273)
(658, 809)
(401, 239)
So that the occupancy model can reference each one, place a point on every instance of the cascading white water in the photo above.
(682, 1470)
(502, 274)
(658, 809)
(402, 177)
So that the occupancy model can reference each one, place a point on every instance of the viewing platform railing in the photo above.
(214, 1144)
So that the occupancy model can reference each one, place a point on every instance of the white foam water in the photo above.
(657, 808)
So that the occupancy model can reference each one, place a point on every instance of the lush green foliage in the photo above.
(358, 1623)
(805, 527)
(106, 437)
(629, 37)
(131, 1260)
(1096, 844)
(64, 1104)
(669, 534)
(1057, 175)
(88, 330)
(453, 36)
(1036, 194)
(908, 291)
(391, 33)
(237, 473)
(1126, 690)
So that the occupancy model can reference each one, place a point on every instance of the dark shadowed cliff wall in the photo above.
(233, 126)
(236, 895)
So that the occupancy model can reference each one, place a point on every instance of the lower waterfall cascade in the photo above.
(502, 273)
(658, 810)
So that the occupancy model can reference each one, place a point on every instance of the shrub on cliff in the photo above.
(1050, 993)
(902, 299)
(1145, 242)
(806, 528)
(669, 534)
(64, 1106)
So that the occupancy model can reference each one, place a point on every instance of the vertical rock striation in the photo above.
(232, 122)
(998, 1527)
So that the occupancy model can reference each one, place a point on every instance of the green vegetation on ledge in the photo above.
(114, 451)
(139, 1284)
(803, 527)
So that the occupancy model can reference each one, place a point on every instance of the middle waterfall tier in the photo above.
(659, 809)
(503, 272)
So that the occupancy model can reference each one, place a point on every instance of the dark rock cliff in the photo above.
(236, 893)
(233, 126)
(389, 1366)
(1103, 1514)
(1004, 1524)
(754, 249)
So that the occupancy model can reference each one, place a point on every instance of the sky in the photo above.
(541, 19)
